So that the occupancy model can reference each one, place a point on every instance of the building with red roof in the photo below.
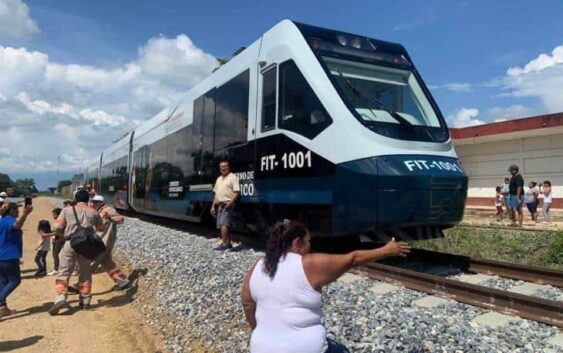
(535, 144)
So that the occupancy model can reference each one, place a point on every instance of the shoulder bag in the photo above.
(85, 241)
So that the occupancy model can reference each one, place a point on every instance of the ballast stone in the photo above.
(494, 319)
(431, 301)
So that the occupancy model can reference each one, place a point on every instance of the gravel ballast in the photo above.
(192, 295)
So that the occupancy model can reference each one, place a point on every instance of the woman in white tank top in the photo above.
(281, 294)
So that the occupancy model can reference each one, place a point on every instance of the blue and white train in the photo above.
(335, 129)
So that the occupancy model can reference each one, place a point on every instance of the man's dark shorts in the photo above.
(225, 216)
(532, 207)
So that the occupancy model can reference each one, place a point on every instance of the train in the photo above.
(335, 129)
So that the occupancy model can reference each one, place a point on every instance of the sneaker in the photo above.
(53, 273)
(72, 289)
(40, 274)
(122, 283)
(223, 247)
(84, 303)
(54, 310)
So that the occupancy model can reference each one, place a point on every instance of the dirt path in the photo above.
(111, 326)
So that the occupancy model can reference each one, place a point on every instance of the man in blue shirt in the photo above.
(11, 249)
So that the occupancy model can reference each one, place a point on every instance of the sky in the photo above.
(76, 75)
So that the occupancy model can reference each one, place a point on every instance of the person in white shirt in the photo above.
(227, 192)
(281, 293)
(531, 194)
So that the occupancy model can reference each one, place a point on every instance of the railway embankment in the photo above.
(191, 295)
(542, 248)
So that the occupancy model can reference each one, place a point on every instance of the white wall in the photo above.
(539, 158)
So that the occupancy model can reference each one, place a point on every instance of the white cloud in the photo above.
(454, 87)
(77, 110)
(15, 21)
(464, 117)
(541, 78)
(174, 61)
(515, 111)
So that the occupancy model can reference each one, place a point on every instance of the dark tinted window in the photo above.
(300, 109)
(232, 112)
(269, 100)
(208, 122)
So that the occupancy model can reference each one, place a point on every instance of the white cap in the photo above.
(3, 194)
(98, 198)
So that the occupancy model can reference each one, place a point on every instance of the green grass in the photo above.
(543, 249)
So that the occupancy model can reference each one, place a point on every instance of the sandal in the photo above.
(5, 311)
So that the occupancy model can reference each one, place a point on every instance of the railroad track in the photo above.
(468, 264)
(501, 227)
(542, 310)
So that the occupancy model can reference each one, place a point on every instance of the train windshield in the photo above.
(381, 94)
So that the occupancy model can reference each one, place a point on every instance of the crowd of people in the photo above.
(85, 217)
(513, 194)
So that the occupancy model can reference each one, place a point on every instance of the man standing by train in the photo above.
(516, 197)
(227, 192)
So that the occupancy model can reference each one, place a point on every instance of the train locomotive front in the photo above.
(395, 172)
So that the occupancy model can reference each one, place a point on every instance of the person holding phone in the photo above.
(11, 250)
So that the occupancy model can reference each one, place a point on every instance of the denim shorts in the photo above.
(225, 215)
(513, 201)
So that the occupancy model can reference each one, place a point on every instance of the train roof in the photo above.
(240, 61)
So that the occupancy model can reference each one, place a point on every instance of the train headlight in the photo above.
(342, 40)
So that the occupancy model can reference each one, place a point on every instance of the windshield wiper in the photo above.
(379, 104)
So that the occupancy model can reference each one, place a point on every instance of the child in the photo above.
(498, 203)
(45, 232)
(58, 243)
(531, 200)
(547, 198)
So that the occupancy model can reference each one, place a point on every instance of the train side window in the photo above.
(300, 109)
(232, 112)
(269, 99)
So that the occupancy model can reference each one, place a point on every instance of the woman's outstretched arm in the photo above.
(322, 269)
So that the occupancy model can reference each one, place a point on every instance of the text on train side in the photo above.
(422, 164)
(289, 160)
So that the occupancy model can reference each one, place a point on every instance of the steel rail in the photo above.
(542, 310)
(521, 272)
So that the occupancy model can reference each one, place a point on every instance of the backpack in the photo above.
(85, 241)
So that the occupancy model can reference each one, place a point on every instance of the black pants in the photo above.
(41, 261)
(57, 246)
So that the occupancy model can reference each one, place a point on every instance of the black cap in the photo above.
(513, 167)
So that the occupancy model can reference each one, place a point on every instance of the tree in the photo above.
(221, 61)
(25, 186)
(63, 183)
(5, 182)
(52, 190)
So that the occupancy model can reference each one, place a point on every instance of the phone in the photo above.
(27, 201)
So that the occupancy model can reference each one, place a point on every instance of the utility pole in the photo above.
(58, 169)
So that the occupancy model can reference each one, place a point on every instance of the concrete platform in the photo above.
(474, 279)
(494, 319)
(349, 278)
(557, 341)
(528, 288)
(430, 301)
(383, 288)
